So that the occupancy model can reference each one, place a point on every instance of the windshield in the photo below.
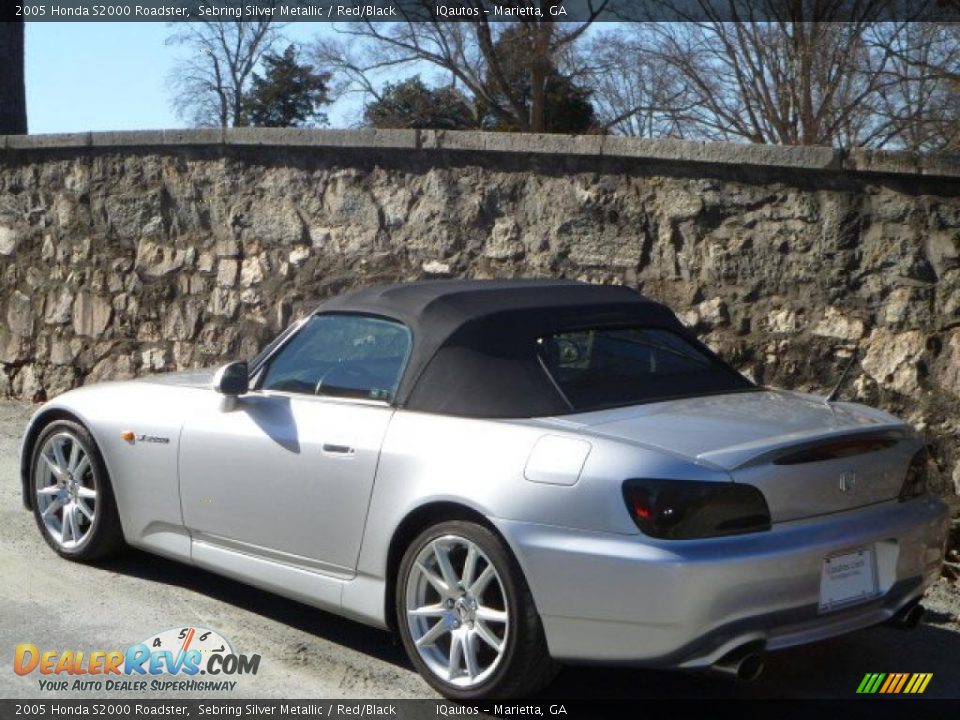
(609, 367)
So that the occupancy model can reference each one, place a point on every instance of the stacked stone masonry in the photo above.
(131, 253)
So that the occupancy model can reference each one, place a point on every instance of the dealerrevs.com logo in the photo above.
(168, 661)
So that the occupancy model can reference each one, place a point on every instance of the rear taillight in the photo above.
(915, 481)
(687, 509)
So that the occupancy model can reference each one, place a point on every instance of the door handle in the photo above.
(331, 449)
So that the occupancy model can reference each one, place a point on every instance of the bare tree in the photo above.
(633, 93)
(13, 96)
(922, 108)
(790, 72)
(210, 85)
(794, 81)
(467, 52)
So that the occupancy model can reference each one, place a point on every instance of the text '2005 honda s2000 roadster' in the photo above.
(509, 474)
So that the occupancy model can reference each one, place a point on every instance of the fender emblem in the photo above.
(129, 436)
(848, 481)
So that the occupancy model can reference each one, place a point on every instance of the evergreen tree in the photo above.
(411, 104)
(566, 107)
(288, 93)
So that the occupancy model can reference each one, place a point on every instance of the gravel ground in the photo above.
(307, 653)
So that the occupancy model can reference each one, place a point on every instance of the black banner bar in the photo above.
(458, 10)
(875, 708)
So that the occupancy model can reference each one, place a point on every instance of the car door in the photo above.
(286, 471)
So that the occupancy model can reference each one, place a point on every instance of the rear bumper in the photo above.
(622, 599)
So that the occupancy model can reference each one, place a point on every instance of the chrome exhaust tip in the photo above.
(744, 664)
(909, 617)
(751, 667)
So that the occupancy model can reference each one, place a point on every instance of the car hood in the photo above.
(188, 378)
(732, 429)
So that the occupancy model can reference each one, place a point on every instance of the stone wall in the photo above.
(123, 254)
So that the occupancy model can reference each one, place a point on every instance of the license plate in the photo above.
(847, 578)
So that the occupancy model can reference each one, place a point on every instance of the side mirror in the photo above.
(232, 379)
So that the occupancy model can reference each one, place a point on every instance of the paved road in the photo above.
(307, 653)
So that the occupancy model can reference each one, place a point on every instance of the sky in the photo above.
(113, 76)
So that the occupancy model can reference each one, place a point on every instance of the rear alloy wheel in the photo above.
(72, 499)
(466, 616)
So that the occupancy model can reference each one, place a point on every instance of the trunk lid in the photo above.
(806, 456)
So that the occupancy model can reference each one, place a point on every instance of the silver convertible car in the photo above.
(510, 475)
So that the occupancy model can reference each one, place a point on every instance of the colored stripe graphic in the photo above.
(870, 683)
(923, 679)
(862, 688)
(894, 683)
(888, 683)
(903, 680)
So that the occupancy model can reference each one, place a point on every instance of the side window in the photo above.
(351, 356)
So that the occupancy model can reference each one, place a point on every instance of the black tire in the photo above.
(525, 666)
(105, 536)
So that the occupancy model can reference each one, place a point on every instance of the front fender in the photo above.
(144, 475)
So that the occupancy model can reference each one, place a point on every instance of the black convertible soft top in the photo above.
(474, 341)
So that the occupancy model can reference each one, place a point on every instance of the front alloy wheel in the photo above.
(72, 499)
(466, 616)
(66, 490)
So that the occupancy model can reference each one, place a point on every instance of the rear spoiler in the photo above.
(811, 446)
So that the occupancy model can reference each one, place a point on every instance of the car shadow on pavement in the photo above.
(829, 669)
(362, 638)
